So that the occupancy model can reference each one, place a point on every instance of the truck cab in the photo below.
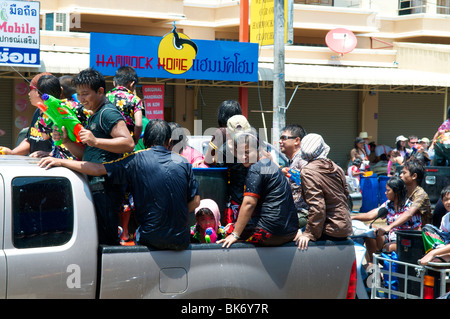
(47, 231)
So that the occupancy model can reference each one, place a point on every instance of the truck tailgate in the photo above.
(242, 271)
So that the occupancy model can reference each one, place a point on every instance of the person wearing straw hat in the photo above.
(365, 136)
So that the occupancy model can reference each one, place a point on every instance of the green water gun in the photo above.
(61, 115)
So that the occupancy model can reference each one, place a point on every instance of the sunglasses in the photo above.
(284, 137)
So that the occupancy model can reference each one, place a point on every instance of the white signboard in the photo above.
(19, 33)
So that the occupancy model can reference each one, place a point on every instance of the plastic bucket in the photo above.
(369, 192)
(382, 181)
(410, 248)
(212, 184)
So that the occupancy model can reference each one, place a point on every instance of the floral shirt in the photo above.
(45, 125)
(414, 223)
(127, 103)
(444, 133)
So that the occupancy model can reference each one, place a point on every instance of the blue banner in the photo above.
(175, 56)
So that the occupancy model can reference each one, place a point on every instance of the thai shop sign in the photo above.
(175, 56)
(19, 33)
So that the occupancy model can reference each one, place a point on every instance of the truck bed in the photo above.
(241, 271)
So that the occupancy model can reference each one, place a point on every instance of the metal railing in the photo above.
(331, 3)
(383, 289)
(406, 7)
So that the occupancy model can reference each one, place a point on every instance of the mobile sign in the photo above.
(19, 33)
(175, 56)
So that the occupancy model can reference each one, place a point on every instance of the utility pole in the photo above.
(243, 37)
(279, 93)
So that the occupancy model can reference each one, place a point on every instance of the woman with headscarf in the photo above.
(325, 190)
(207, 215)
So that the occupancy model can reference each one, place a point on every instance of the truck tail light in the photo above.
(351, 291)
(428, 287)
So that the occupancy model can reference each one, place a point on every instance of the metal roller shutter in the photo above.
(6, 112)
(408, 114)
(332, 114)
(209, 99)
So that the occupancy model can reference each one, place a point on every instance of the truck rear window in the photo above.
(42, 209)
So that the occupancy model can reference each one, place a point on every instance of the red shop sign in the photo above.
(154, 101)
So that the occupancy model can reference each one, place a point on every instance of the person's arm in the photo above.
(353, 155)
(22, 149)
(121, 141)
(193, 204)
(88, 168)
(214, 145)
(433, 253)
(389, 166)
(403, 218)
(138, 125)
(433, 141)
(245, 213)
(365, 217)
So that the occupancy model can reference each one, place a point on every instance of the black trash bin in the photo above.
(410, 248)
(212, 184)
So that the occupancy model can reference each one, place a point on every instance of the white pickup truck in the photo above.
(49, 249)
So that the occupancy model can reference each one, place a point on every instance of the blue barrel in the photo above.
(382, 180)
(212, 184)
(369, 192)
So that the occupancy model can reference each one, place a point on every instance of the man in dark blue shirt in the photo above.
(162, 183)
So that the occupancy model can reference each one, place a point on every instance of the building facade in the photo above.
(395, 81)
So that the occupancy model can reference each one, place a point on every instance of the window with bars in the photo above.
(315, 2)
(420, 6)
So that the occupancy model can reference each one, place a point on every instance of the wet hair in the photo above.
(91, 78)
(69, 89)
(295, 129)
(49, 84)
(227, 109)
(36, 78)
(203, 211)
(357, 161)
(157, 132)
(398, 186)
(414, 166)
(445, 191)
(125, 75)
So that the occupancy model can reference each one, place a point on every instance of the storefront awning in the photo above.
(307, 76)
(320, 74)
(63, 62)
